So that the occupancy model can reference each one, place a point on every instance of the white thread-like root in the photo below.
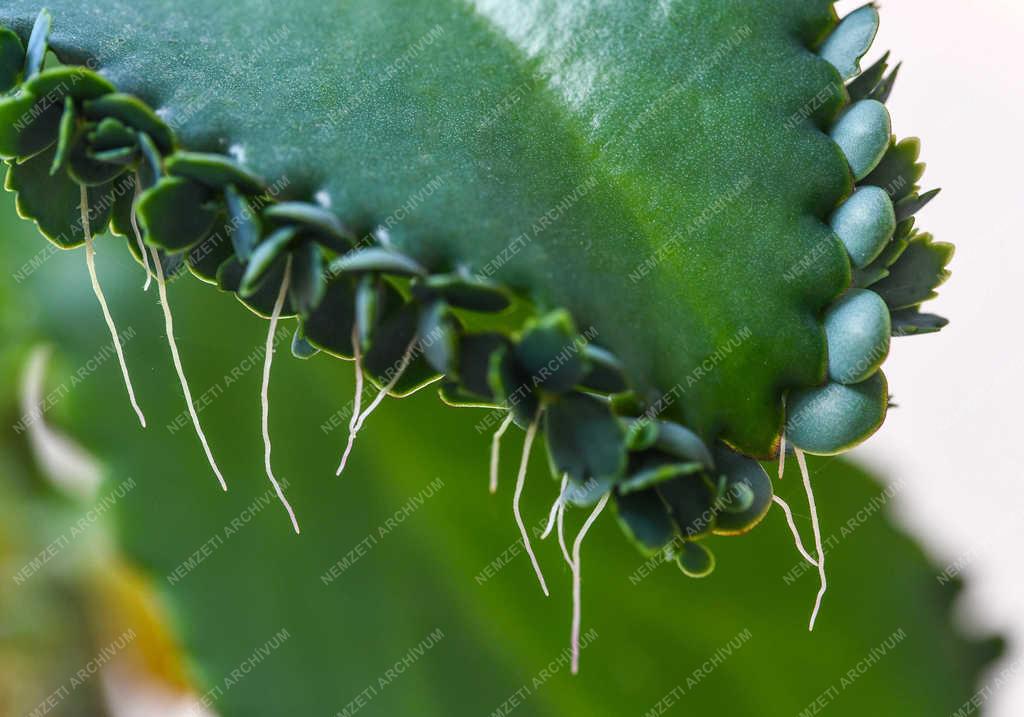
(531, 432)
(792, 528)
(381, 395)
(560, 523)
(496, 451)
(782, 456)
(357, 400)
(817, 535)
(577, 581)
(138, 236)
(90, 260)
(161, 285)
(264, 395)
(554, 509)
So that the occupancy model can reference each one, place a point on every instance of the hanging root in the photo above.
(796, 533)
(354, 428)
(560, 522)
(138, 239)
(782, 456)
(531, 432)
(161, 284)
(576, 581)
(90, 260)
(357, 401)
(554, 509)
(496, 451)
(265, 399)
(817, 535)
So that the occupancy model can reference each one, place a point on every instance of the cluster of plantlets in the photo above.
(84, 158)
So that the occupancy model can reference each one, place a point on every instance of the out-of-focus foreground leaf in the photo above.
(406, 592)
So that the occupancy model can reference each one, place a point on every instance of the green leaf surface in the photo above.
(584, 439)
(908, 322)
(12, 59)
(913, 278)
(54, 202)
(133, 113)
(636, 164)
(175, 214)
(271, 252)
(899, 171)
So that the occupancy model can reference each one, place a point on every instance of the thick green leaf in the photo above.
(911, 205)
(245, 223)
(613, 159)
(605, 371)
(308, 283)
(85, 168)
(695, 560)
(681, 442)
(214, 171)
(301, 348)
(271, 252)
(132, 112)
(12, 59)
(54, 84)
(439, 337)
(35, 54)
(28, 124)
(550, 353)
(836, 417)
(862, 87)
(329, 326)
(913, 278)
(899, 170)
(691, 503)
(474, 360)
(175, 214)
(395, 352)
(649, 477)
(376, 259)
(319, 221)
(585, 441)
(908, 322)
(469, 293)
(54, 202)
(743, 478)
(111, 133)
(644, 516)
(66, 135)
(261, 302)
(851, 40)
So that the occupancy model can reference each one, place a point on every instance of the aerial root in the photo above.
(138, 237)
(161, 284)
(264, 395)
(90, 260)
(560, 522)
(792, 528)
(531, 433)
(354, 428)
(553, 514)
(782, 456)
(496, 450)
(357, 400)
(577, 580)
(817, 535)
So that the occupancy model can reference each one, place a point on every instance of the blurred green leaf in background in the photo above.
(407, 592)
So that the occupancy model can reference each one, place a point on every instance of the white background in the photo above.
(956, 439)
